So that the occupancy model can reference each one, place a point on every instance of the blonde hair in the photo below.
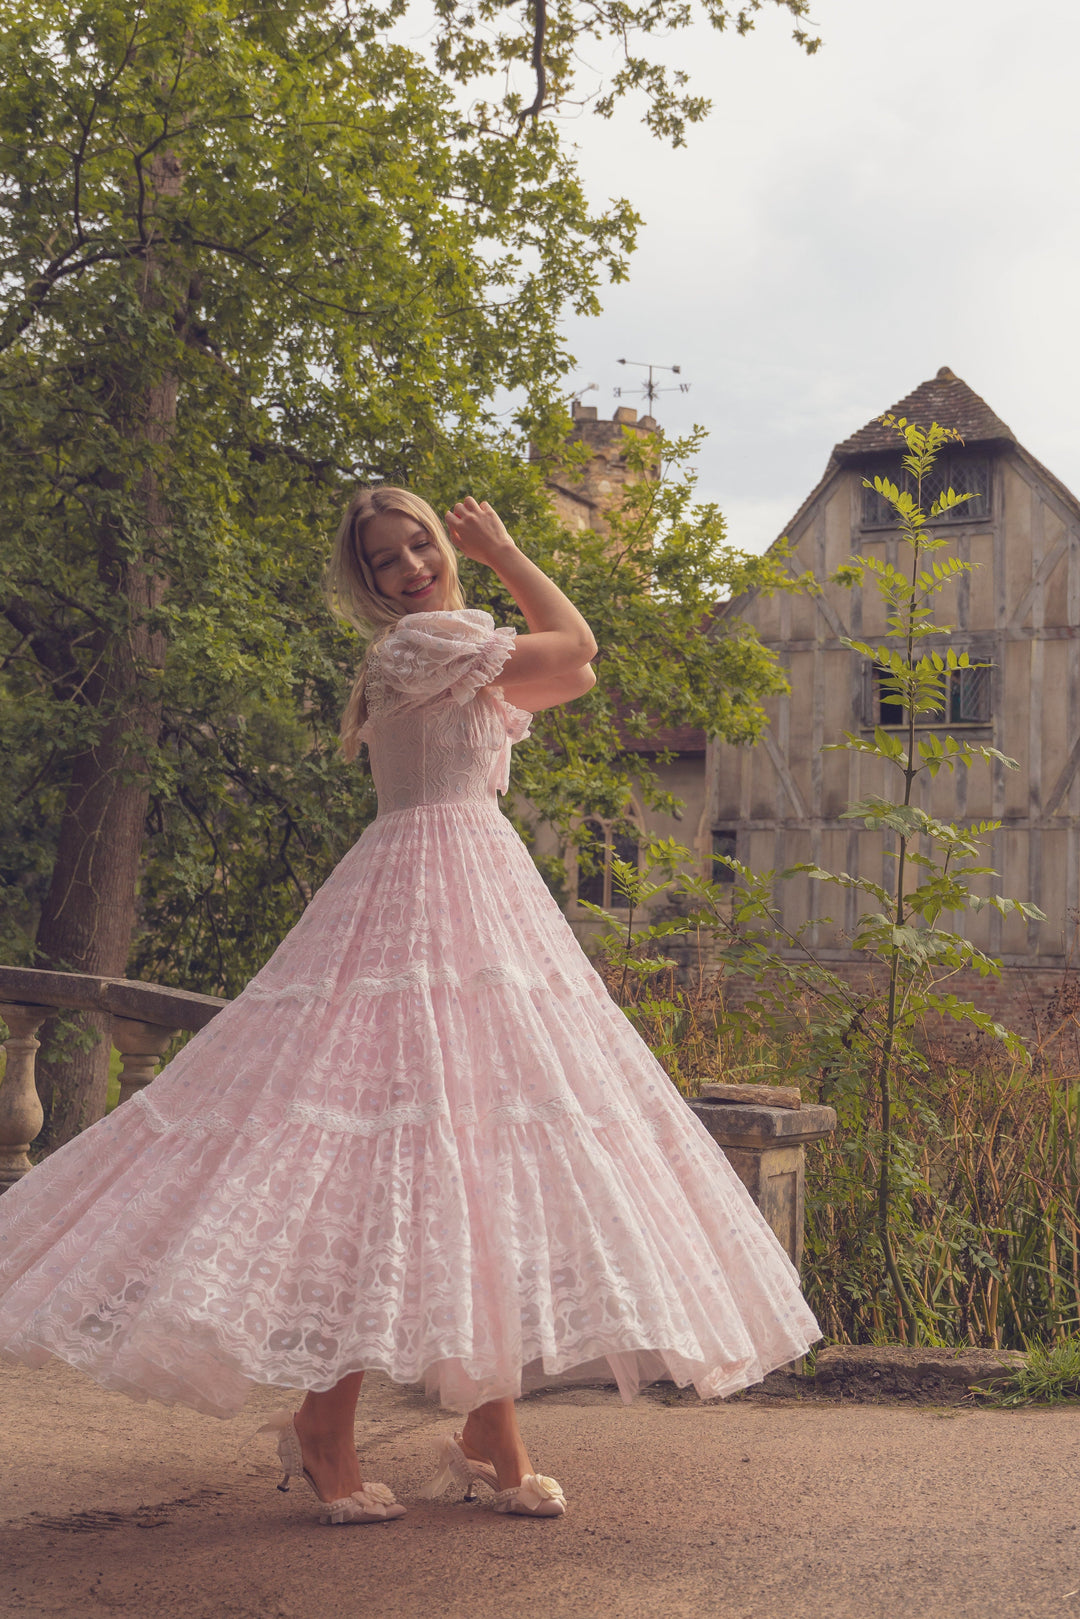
(354, 596)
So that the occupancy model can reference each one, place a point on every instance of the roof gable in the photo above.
(947, 400)
(944, 399)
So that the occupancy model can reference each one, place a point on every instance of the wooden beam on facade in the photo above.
(1039, 579)
(787, 780)
(1065, 779)
(826, 609)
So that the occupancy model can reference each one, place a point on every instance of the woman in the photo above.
(423, 1139)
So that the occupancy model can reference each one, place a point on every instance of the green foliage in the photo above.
(905, 936)
(277, 220)
(985, 1187)
(535, 52)
(1052, 1373)
(983, 1207)
(343, 283)
(649, 588)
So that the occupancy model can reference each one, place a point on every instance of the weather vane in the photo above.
(650, 389)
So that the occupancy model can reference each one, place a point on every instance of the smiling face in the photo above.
(406, 564)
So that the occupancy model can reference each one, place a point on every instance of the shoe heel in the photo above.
(456, 1468)
(288, 1446)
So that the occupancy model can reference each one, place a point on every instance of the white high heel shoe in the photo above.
(371, 1503)
(535, 1497)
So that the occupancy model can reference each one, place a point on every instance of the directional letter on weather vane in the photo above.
(649, 388)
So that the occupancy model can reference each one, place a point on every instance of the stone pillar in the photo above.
(21, 1113)
(766, 1147)
(140, 1045)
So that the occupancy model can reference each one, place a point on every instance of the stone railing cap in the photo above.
(734, 1124)
(123, 997)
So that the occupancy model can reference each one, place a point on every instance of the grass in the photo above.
(1052, 1374)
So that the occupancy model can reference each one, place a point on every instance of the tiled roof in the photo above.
(945, 399)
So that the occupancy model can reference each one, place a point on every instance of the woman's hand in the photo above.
(478, 532)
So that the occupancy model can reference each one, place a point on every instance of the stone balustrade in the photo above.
(144, 1018)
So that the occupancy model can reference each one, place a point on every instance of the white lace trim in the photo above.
(418, 977)
(428, 657)
(336, 1122)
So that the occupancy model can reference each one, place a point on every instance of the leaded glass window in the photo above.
(967, 474)
(968, 698)
(596, 851)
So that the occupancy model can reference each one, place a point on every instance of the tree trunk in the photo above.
(89, 914)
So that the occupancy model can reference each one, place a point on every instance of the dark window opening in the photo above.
(595, 853)
(968, 475)
(724, 846)
(967, 700)
(623, 847)
(890, 710)
(592, 858)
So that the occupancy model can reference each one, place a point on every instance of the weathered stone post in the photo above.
(765, 1145)
(21, 1113)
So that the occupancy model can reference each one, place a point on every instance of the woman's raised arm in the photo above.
(559, 645)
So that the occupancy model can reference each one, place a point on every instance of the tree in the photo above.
(250, 256)
(536, 53)
(246, 257)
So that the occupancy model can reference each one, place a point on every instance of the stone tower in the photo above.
(581, 501)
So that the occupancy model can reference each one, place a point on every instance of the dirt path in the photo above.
(736, 1511)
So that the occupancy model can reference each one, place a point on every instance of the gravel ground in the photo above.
(737, 1510)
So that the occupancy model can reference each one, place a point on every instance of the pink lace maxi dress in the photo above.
(423, 1139)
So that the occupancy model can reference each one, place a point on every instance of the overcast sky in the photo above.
(843, 225)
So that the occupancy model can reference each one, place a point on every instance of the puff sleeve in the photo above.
(452, 654)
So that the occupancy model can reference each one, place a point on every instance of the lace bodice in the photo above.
(437, 731)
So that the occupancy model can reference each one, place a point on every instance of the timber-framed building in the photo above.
(1017, 613)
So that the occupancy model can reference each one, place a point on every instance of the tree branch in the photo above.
(20, 616)
(539, 30)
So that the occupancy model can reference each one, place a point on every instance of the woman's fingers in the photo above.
(474, 523)
(469, 508)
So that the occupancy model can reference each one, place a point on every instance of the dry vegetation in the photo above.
(987, 1165)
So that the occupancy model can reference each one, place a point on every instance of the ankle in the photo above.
(483, 1437)
(505, 1452)
(319, 1436)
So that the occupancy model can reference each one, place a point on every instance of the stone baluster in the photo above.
(21, 1113)
(140, 1045)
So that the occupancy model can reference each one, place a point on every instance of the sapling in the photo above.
(865, 1039)
(905, 933)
